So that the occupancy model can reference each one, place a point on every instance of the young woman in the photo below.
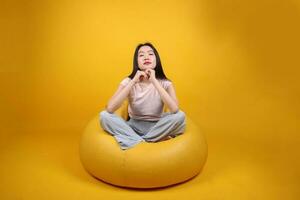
(148, 90)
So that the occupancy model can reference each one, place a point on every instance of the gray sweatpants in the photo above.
(131, 132)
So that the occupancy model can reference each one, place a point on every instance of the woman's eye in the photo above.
(141, 55)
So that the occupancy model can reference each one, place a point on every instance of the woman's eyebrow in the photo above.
(143, 52)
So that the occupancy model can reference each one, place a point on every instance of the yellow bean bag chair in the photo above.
(147, 164)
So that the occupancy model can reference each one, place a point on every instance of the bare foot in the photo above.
(165, 138)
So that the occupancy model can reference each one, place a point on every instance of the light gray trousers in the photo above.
(130, 133)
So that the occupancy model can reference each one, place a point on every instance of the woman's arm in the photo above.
(120, 95)
(122, 92)
(168, 97)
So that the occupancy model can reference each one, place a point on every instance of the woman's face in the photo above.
(146, 58)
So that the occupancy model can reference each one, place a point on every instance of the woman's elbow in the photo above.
(175, 109)
(109, 109)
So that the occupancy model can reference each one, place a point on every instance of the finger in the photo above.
(144, 73)
(141, 77)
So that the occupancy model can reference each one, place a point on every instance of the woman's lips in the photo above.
(146, 63)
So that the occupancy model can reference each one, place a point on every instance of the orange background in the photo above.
(234, 64)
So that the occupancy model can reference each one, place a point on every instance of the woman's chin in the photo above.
(147, 67)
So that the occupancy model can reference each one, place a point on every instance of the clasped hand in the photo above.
(148, 74)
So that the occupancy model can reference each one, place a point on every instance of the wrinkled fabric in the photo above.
(132, 132)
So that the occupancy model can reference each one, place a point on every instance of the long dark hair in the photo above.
(159, 72)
